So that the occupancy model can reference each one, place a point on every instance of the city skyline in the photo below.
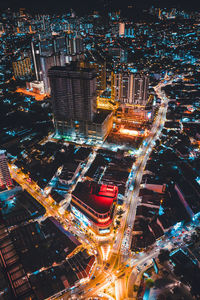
(100, 151)
(98, 5)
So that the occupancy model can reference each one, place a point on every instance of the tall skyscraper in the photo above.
(100, 68)
(140, 89)
(43, 61)
(73, 92)
(76, 45)
(121, 29)
(131, 88)
(101, 76)
(122, 87)
(46, 62)
(118, 54)
(51, 52)
(5, 178)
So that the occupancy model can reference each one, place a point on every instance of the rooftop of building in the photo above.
(100, 116)
(20, 207)
(98, 197)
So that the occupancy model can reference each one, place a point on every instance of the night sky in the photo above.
(83, 6)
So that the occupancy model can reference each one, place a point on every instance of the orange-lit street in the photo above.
(38, 97)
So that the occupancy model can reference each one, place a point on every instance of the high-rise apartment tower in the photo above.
(73, 92)
(5, 178)
(131, 88)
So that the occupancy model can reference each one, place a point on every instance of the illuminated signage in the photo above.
(103, 220)
(107, 230)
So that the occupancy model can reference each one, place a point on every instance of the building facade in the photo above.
(22, 68)
(121, 29)
(131, 88)
(100, 68)
(36, 86)
(5, 178)
(73, 93)
(46, 62)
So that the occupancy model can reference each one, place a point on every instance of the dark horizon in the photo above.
(83, 7)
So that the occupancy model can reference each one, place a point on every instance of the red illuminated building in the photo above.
(96, 203)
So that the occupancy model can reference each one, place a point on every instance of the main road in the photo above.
(140, 165)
